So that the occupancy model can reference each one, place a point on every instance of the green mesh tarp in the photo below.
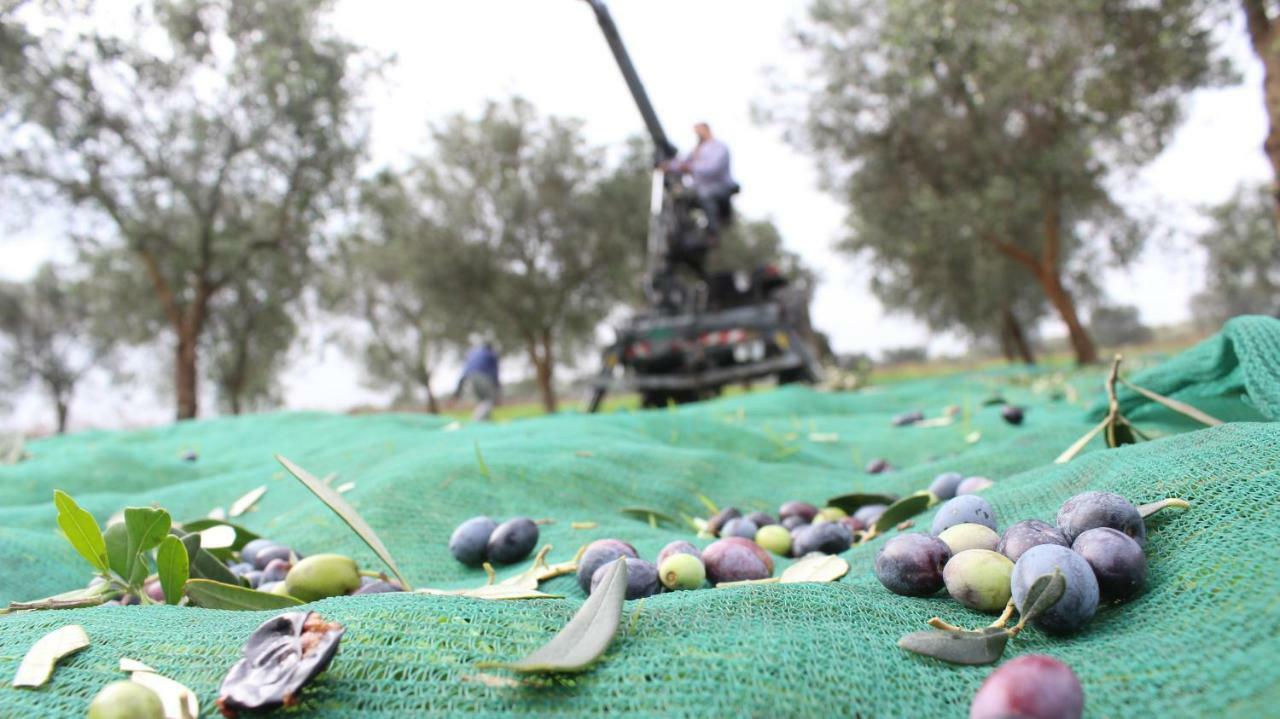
(1202, 640)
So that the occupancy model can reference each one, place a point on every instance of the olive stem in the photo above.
(1005, 617)
(937, 623)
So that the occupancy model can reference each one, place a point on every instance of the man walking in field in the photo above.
(480, 370)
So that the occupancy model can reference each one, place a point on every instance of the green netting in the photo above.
(1203, 640)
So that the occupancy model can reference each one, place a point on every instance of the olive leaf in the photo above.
(243, 536)
(37, 666)
(74, 599)
(851, 502)
(245, 503)
(1080, 444)
(520, 586)
(219, 536)
(815, 568)
(81, 530)
(652, 516)
(347, 514)
(203, 565)
(958, 647)
(218, 595)
(146, 527)
(1120, 432)
(1146, 510)
(1044, 592)
(133, 665)
(903, 509)
(1174, 405)
(117, 539)
(587, 635)
(178, 701)
(173, 566)
(484, 468)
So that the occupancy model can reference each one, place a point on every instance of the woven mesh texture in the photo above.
(1203, 640)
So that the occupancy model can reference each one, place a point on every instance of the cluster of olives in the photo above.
(679, 565)
(480, 539)
(1096, 545)
(271, 567)
(801, 528)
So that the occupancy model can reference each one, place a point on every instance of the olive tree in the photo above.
(206, 135)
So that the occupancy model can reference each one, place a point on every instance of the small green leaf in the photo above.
(347, 513)
(146, 527)
(972, 648)
(1045, 592)
(173, 567)
(850, 503)
(117, 538)
(81, 530)
(649, 515)
(37, 666)
(587, 635)
(706, 502)
(243, 536)
(484, 468)
(203, 565)
(217, 595)
(904, 509)
(1146, 510)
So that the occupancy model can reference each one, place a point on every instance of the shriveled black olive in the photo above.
(280, 657)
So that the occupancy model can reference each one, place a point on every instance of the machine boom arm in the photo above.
(663, 149)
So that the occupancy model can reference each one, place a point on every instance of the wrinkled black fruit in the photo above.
(513, 540)
(281, 656)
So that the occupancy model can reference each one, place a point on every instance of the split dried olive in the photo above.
(280, 657)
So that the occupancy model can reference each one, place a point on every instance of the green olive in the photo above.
(322, 575)
(126, 700)
(775, 538)
(682, 571)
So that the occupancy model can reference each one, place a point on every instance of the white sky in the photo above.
(453, 55)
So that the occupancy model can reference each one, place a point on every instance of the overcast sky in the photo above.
(700, 60)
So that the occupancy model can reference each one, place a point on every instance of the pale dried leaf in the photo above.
(133, 665)
(583, 525)
(345, 487)
(217, 513)
(816, 568)
(37, 666)
(824, 437)
(247, 502)
(179, 701)
(219, 536)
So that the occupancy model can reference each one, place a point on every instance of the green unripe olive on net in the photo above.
(322, 575)
(979, 579)
(682, 571)
(126, 700)
(775, 538)
(969, 536)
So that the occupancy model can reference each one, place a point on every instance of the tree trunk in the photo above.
(1266, 44)
(432, 405)
(61, 405)
(1017, 339)
(185, 371)
(1081, 342)
(541, 356)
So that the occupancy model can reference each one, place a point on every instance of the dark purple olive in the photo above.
(1012, 414)
(761, 519)
(721, 518)
(734, 559)
(804, 510)
(1032, 686)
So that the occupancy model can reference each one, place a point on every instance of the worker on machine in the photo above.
(712, 186)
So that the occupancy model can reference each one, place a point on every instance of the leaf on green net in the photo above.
(146, 527)
(178, 701)
(1175, 405)
(74, 599)
(133, 665)
(972, 648)
(649, 515)
(1045, 592)
(347, 514)
(587, 635)
(173, 566)
(706, 502)
(219, 536)
(1146, 510)
(81, 530)
(993, 401)
(247, 502)
(243, 536)
(203, 565)
(117, 539)
(816, 568)
(1080, 444)
(494, 592)
(484, 468)
(217, 595)
(852, 501)
(904, 509)
(37, 666)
